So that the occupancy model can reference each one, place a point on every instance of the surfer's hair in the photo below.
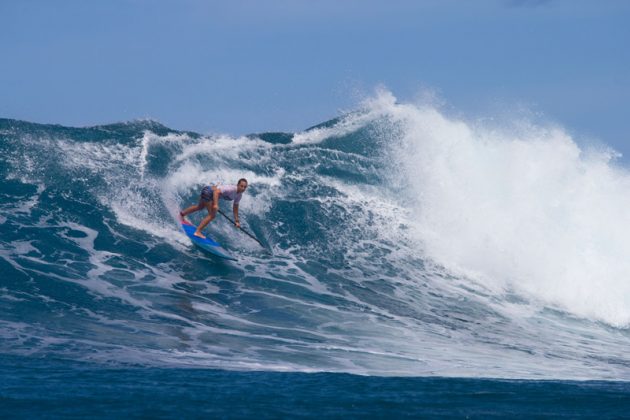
(242, 179)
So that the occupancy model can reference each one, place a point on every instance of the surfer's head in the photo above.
(241, 185)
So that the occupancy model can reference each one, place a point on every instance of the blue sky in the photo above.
(250, 66)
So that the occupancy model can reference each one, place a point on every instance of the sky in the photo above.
(243, 66)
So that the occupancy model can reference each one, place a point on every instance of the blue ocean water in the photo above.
(52, 388)
(414, 263)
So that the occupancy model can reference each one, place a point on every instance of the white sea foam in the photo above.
(445, 259)
(522, 208)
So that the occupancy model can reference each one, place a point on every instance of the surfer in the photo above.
(209, 200)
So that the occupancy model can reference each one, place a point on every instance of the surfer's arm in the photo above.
(235, 210)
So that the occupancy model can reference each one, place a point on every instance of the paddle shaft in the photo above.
(243, 230)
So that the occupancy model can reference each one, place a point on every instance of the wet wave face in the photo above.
(402, 241)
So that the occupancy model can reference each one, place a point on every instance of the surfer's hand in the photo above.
(237, 224)
(215, 207)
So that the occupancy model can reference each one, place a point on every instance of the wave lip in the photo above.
(521, 208)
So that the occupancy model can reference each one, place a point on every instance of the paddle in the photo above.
(243, 230)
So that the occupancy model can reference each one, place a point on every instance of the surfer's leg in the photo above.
(192, 209)
(204, 198)
(206, 220)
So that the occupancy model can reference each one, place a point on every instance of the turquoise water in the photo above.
(407, 256)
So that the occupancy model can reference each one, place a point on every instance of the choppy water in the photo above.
(404, 242)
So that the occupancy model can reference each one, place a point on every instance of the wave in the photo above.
(405, 242)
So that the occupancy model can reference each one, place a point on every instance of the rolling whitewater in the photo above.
(405, 243)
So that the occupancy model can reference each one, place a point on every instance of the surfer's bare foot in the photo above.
(199, 235)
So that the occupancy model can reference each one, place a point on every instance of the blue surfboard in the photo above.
(209, 245)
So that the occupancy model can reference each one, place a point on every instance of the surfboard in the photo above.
(209, 245)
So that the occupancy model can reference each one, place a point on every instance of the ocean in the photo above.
(415, 263)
